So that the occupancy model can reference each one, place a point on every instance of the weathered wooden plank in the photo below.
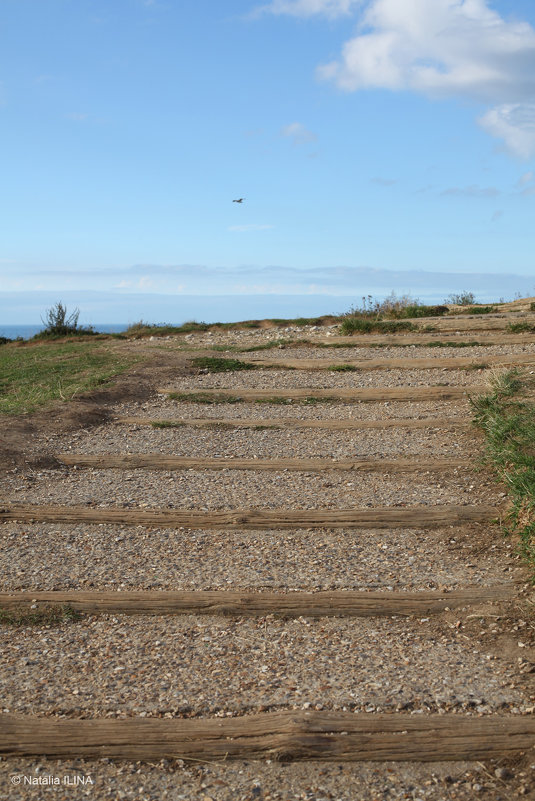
(245, 603)
(294, 422)
(287, 735)
(401, 363)
(237, 519)
(367, 394)
(159, 461)
(424, 337)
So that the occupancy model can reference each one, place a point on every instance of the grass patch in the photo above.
(481, 310)
(50, 615)
(521, 328)
(360, 325)
(216, 365)
(203, 397)
(167, 423)
(476, 366)
(342, 368)
(507, 418)
(36, 374)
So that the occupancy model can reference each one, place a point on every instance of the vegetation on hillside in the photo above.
(506, 415)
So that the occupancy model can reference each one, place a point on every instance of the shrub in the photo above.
(461, 299)
(481, 309)
(59, 324)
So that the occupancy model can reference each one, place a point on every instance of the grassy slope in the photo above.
(507, 417)
(34, 375)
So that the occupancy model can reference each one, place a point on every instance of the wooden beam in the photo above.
(238, 519)
(251, 604)
(445, 424)
(400, 363)
(286, 735)
(159, 461)
(367, 394)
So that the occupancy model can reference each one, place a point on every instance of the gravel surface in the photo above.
(246, 489)
(51, 557)
(339, 355)
(290, 443)
(152, 665)
(161, 408)
(274, 378)
(266, 781)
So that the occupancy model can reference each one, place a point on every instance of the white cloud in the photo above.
(307, 8)
(446, 48)
(298, 133)
(515, 124)
(250, 227)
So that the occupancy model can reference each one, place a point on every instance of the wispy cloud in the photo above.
(297, 132)
(76, 116)
(384, 181)
(471, 191)
(250, 227)
(498, 214)
(308, 8)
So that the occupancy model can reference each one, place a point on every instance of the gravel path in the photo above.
(244, 489)
(466, 661)
(247, 443)
(163, 409)
(52, 557)
(274, 378)
(157, 665)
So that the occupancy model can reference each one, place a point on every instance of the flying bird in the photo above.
(240, 200)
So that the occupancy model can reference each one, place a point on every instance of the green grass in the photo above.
(203, 397)
(49, 615)
(359, 325)
(506, 415)
(521, 328)
(480, 310)
(342, 368)
(215, 365)
(167, 423)
(36, 375)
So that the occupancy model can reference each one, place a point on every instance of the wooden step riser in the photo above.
(377, 518)
(282, 423)
(401, 394)
(253, 604)
(155, 461)
(277, 736)
(401, 363)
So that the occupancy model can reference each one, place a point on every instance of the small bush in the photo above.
(59, 324)
(461, 299)
(482, 310)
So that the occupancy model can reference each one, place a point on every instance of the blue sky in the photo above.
(375, 142)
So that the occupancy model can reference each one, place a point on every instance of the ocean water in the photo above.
(28, 331)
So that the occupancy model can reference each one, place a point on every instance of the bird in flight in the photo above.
(240, 200)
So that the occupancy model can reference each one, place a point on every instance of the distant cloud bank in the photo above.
(177, 292)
